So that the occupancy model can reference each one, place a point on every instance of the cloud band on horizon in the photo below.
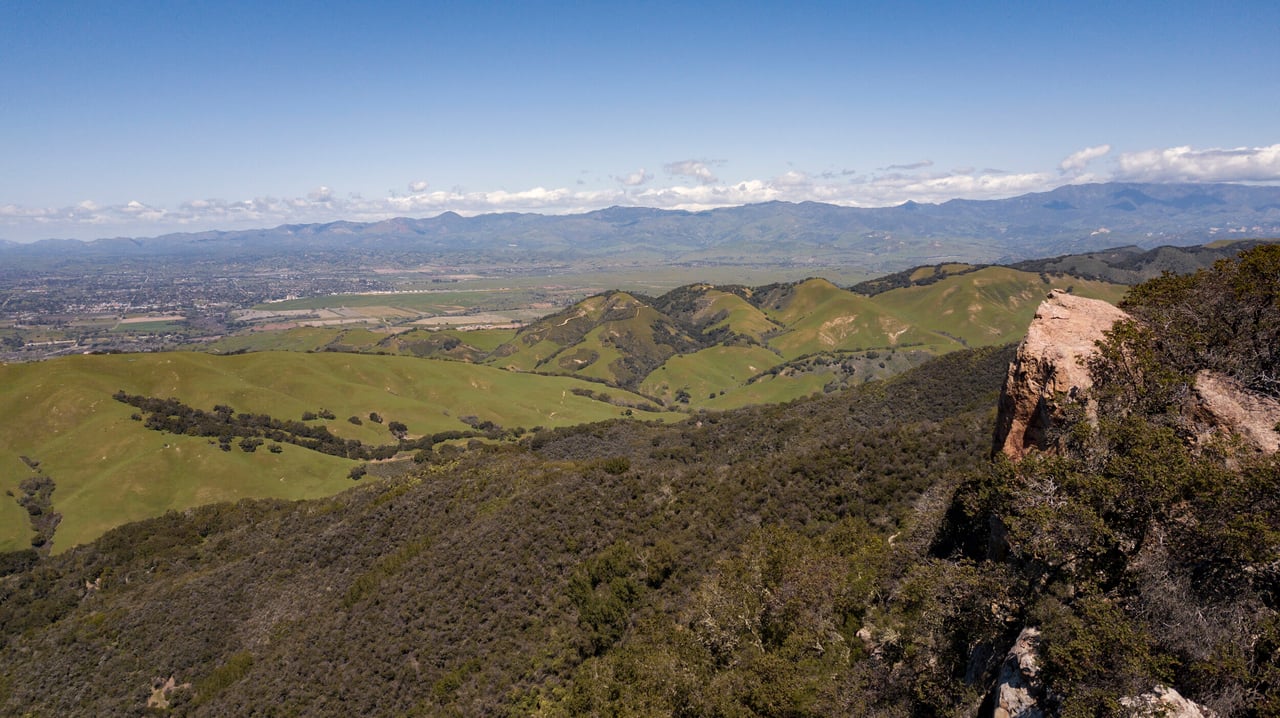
(1177, 164)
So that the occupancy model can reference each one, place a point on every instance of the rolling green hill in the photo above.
(720, 347)
(716, 347)
(821, 317)
(992, 305)
(469, 345)
(614, 337)
(109, 469)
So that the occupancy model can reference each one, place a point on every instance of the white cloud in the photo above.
(694, 169)
(894, 189)
(1183, 164)
(141, 211)
(909, 166)
(635, 179)
(320, 194)
(1077, 161)
(792, 179)
(419, 186)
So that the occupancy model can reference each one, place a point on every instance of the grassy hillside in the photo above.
(109, 469)
(613, 337)
(707, 372)
(813, 336)
(468, 345)
(707, 346)
(729, 312)
(821, 317)
(986, 306)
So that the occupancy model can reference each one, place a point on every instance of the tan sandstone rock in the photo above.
(1164, 702)
(1018, 691)
(1049, 363)
(1252, 417)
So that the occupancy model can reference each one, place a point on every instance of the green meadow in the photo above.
(109, 469)
(707, 373)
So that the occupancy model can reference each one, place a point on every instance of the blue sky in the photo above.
(141, 118)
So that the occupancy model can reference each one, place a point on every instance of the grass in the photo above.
(358, 339)
(740, 315)
(768, 390)
(708, 372)
(822, 318)
(483, 339)
(300, 339)
(110, 469)
(990, 306)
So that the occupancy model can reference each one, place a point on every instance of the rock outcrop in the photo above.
(1164, 702)
(1253, 417)
(1050, 363)
(1018, 692)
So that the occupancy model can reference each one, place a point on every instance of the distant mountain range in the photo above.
(1070, 219)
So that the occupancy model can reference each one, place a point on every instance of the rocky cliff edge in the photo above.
(1050, 363)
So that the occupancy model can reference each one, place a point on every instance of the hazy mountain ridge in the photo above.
(1122, 265)
(1070, 218)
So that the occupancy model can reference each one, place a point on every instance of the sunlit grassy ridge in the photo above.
(988, 306)
(708, 372)
(738, 315)
(110, 469)
(821, 317)
(725, 346)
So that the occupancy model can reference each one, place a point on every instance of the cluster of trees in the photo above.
(225, 424)
(37, 499)
(1225, 319)
(252, 430)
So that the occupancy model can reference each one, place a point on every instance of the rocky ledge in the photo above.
(1050, 364)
